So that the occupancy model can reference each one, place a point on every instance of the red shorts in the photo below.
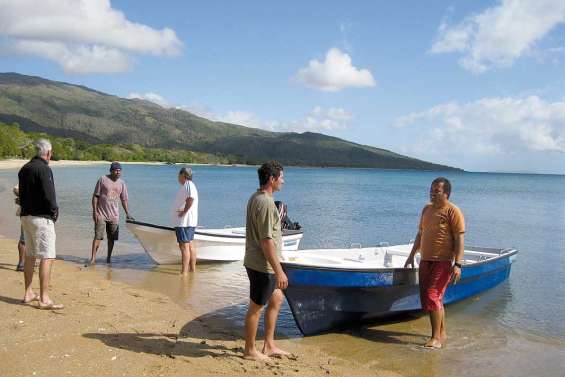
(434, 278)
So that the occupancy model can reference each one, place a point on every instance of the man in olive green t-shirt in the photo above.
(263, 241)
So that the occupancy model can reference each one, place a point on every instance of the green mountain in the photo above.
(73, 111)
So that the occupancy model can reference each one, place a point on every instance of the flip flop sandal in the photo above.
(50, 306)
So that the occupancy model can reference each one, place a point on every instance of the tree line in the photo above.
(15, 143)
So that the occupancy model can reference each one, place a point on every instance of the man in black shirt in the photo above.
(39, 211)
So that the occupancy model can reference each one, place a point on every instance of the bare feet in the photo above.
(92, 262)
(274, 352)
(433, 343)
(30, 297)
(255, 356)
(443, 338)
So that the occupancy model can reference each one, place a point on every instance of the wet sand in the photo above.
(112, 329)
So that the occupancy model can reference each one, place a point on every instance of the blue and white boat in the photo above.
(334, 288)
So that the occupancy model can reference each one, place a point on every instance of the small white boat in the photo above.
(218, 245)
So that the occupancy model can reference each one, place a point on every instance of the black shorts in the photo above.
(262, 285)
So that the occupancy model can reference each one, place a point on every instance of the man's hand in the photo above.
(409, 262)
(129, 217)
(94, 218)
(282, 280)
(455, 274)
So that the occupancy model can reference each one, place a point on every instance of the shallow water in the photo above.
(516, 328)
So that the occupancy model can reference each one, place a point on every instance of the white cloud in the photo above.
(493, 130)
(318, 120)
(78, 59)
(235, 117)
(501, 34)
(152, 97)
(82, 36)
(556, 50)
(198, 109)
(323, 120)
(334, 74)
(242, 118)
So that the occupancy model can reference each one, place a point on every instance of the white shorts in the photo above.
(39, 234)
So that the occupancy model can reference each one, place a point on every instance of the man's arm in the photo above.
(124, 200)
(270, 252)
(415, 249)
(459, 247)
(94, 207)
(187, 204)
(125, 205)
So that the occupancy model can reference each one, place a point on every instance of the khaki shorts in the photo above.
(112, 230)
(39, 234)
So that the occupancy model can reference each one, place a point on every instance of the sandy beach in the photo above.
(18, 163)
(111, 329)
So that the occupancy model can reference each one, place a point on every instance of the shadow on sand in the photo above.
(386, 336)
(12, 301)
(197, 338)
(171, 345)
(9, 267)
(202, 336)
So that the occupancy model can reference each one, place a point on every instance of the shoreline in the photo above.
(108, 327)
(18, 163)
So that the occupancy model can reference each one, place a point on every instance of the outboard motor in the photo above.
(286, 222)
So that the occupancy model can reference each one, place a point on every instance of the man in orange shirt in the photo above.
(440, 240)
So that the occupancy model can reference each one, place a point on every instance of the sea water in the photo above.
(515, 328)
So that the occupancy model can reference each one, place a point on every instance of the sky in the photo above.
(475, 84)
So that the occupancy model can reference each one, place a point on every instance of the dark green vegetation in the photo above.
(14, 143)
(94, 125)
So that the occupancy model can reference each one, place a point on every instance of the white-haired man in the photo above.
(185, 219)
(38, 214)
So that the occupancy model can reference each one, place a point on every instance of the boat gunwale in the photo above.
(297, 266)
(204, 233)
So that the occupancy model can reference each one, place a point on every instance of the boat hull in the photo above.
(323, 299)
(213, 245)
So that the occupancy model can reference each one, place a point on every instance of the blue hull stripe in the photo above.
(335, 278)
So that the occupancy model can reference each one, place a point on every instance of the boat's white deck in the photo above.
(240, 231)
(370, 257)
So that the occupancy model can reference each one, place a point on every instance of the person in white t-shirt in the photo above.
(185, 219)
